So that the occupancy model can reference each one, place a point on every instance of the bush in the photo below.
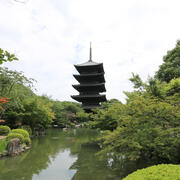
(72, 125)
(157, 172)
(22, 132)
(27, 128)
(4, 130)
(13, 135)
(148, 129)
(3, 145)
(27, 140)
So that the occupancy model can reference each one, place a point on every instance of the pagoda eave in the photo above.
(89, 68)
(89, 98)
(82, 78)
(90, 87)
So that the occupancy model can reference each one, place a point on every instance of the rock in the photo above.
(26, 148)
(14, 147)
(5, 153)
(77, 126)
(65, 129)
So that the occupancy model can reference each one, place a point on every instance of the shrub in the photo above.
(13, 135)
(72, 125)
(4, 130)
(27, 140)
(3, 145)
(157, 172)
(27, 128)
(22, 132)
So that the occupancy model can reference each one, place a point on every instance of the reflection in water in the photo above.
(58, 168)
(62, 156)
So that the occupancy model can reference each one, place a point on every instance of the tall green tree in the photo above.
(148, 127)
(171, 67)
(10, 79)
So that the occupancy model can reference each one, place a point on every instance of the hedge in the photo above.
(22, 132)
(156, 172)
(4, 130)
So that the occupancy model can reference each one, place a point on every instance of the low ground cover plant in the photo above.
(4, 130)
(3, 144)
(156, 172)
(22, 132)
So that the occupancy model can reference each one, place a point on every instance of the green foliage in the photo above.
(157, 172)
(170, 69)
(17, 87)
(10, 82)
(27, 128)
(138, 83)
(173, 87)
(4, 130)
(15, 135)
(37, 113)
(147, 128)
(27, 140)
(107, 118)
(81, 116)
(22, 132)
(65, 112)
(107, 104)
(3, 145)
(5, 56)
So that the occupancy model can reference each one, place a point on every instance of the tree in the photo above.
(148, 128)
(171, 67)
(37, 113)
(5, 56)
(64, 112)
(2, 101)
(9, 79)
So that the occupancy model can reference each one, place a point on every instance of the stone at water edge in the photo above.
(4, 153)
(14, 146)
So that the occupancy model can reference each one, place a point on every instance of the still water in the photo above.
(62, 156)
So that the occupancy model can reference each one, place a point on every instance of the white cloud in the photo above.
(49, 36)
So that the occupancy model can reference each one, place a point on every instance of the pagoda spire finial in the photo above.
(90, 53)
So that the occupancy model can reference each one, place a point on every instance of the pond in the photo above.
(63, 156)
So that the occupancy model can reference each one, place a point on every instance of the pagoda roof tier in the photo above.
(89, 98)
(90, 87)
(90, 77)
(89, 67)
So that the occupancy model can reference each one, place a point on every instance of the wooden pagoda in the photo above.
(91, 84)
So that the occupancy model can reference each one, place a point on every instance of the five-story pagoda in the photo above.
(92, 83)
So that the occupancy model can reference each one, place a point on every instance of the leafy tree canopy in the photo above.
(171, 67)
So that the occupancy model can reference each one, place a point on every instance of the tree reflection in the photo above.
(45, 150)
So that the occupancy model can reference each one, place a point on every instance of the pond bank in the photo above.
(13, 147)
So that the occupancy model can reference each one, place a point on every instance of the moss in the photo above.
(157, 172)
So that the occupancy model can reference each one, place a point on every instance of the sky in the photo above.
(50, 36)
